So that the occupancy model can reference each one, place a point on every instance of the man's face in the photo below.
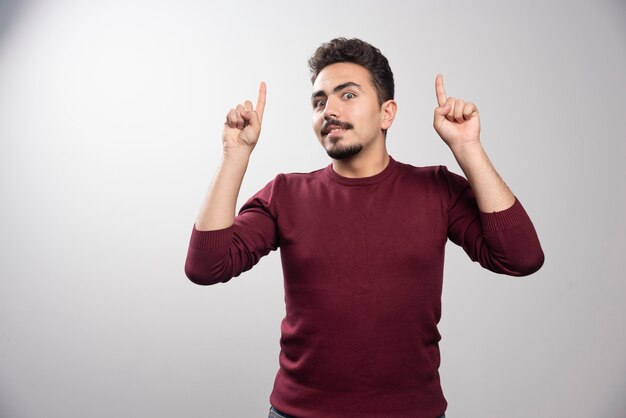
(347, 118)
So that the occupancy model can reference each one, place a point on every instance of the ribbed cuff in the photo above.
(505, 219)
(211, 239)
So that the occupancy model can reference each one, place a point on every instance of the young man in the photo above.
(362, 241)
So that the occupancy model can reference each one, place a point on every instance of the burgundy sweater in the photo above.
(363, 265)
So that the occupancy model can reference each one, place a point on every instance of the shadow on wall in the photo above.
(9, 11)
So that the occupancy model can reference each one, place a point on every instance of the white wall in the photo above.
(110, 121)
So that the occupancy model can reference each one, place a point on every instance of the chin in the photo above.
(344, 152)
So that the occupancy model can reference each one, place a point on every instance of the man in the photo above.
(362, 241)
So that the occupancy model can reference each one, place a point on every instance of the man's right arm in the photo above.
(215, 252)
(239, 137)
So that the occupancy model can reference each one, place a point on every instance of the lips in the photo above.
(334, 126)
(333, 131)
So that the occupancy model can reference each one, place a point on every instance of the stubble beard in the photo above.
(339, 152)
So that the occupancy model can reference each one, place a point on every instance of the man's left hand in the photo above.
(457, 122)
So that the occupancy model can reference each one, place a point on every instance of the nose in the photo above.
(331, 110)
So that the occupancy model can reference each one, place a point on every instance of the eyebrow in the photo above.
(320, 93)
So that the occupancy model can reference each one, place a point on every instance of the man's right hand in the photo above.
(240, 134)
(243, 124)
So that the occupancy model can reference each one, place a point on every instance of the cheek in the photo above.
(370, 119)
(316, 123)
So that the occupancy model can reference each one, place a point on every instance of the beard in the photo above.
(338, 152)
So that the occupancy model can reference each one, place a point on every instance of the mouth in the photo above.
(335, 132)
(335, 128)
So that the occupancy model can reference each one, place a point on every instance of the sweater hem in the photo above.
(505, 219)
(211, 239)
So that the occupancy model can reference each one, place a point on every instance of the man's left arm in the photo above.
(458, 123)
(511, 245)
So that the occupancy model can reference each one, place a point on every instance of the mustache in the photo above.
(334, 123)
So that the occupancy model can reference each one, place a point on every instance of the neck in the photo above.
(362, 165)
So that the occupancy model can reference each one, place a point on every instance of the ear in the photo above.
(388, 112)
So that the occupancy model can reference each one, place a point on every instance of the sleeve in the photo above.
(217, 256)
(504, 242)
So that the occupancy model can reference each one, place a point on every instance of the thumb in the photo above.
(252, 118)
(441, 112)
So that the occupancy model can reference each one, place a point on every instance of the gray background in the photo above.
(110, 121)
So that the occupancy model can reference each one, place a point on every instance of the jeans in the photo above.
(275, 413)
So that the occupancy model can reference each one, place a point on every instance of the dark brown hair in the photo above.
(358, 52)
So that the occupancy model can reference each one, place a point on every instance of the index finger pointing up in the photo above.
(260, 103)
(441, 93)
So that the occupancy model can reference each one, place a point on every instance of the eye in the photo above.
(349, 95)
(319, 103)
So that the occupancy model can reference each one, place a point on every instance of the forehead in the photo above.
(342, 72)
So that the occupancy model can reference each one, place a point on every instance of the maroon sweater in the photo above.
(363, 265)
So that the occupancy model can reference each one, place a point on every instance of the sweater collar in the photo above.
(362, 181)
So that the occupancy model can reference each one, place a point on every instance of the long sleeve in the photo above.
(504, 242)
(218, 256)
(363, 262)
